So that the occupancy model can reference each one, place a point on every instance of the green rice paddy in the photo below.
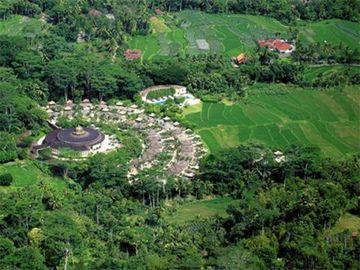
(229, 34)
(332, 31)
(327, 119)
(232, 34)
(328, 70)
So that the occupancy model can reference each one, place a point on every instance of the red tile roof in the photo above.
(275, 44)
(132, 54)
(241, 58)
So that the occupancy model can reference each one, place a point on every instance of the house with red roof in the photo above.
(278, 45)
(240, 59)
(132, 54)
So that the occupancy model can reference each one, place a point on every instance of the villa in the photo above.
(278, 45)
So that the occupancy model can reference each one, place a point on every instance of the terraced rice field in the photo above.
(327, 71)
(232, 34)
(332, 31)
(328, 119)
(229, 34)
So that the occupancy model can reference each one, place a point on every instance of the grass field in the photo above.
(26, 174)
(332, 31)
(328, 119)
(21, 26)
(346, 222)
(202, 208)
(232, 34)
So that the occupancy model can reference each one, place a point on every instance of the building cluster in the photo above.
(173, 149)
(180, 92)
(167, 145)
(278, 45)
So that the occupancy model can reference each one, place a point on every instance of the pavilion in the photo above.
(83, 140)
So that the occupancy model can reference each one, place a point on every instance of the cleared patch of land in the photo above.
(19, 26)
(202, 208)
(26, 174)
(232, 34)
(328, 119)
(346, 222)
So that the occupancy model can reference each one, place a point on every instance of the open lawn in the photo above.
(202, 208)
(231, 34)
(21, 26)
(26, 174)
(328, 119)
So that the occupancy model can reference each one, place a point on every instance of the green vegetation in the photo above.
(201, 208)
(333, 31)
(229, 34)
(21, 26)
(6, 179)
(233, 34)
(328, 119)
(328, 71)
(160, 93)
(345, 222)
(298, 213)
(27, 174)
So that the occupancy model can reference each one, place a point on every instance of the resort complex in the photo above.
(179, 135)
(161, 137)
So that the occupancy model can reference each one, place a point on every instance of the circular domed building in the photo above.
(83, 140)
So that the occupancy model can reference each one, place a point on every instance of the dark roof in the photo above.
(61, 138)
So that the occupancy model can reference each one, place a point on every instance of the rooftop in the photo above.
(80, 139)
(275, 44)
(132, 54)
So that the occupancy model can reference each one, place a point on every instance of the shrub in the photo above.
(6, 179)
(179, 100)
(45, 154)
(8, 149)
(23, 154)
